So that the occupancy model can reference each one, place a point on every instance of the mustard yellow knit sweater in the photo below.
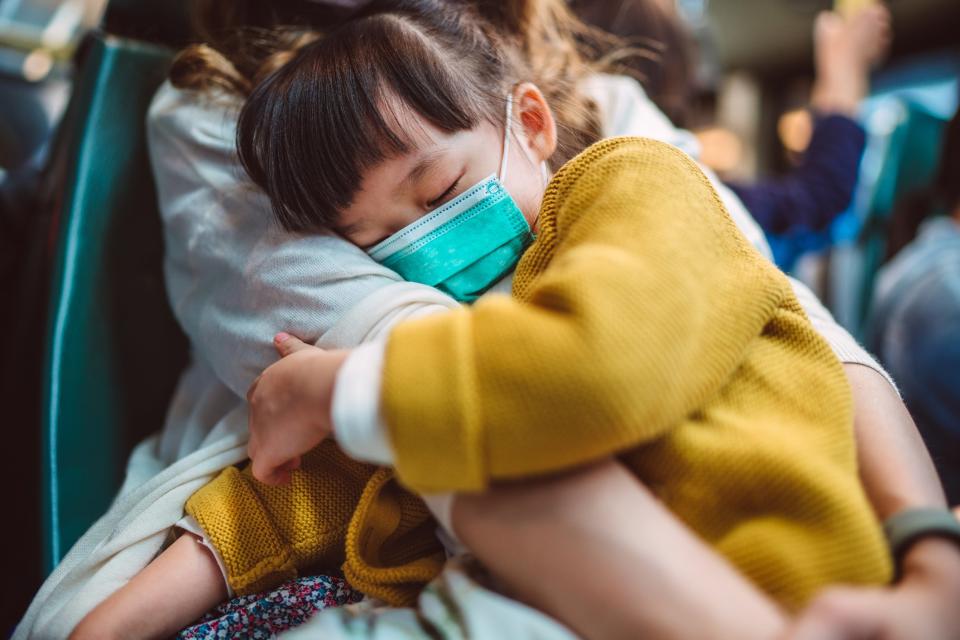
(642, 325)
(335, 513)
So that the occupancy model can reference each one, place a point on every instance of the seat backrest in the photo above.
(912, 153)
(113, 349)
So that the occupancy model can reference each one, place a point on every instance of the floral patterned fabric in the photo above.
(265, 615)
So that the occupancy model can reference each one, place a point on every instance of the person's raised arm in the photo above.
(820, 188)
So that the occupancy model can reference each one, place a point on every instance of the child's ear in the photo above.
(536, 120)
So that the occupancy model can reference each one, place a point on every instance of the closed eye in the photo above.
(443, 197)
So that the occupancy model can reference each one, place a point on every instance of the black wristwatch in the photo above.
(912, 525)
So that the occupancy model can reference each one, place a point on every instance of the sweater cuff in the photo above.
(357, 424)
(230, 512)
(190, 525)
(834, 126)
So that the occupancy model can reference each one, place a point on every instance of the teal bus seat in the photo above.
(113, 350)
(910, 163)
(903, 148)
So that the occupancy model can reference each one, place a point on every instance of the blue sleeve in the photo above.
(813, 194)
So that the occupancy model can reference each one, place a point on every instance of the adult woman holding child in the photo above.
(232, 277)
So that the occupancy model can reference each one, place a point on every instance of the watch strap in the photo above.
(907, 527)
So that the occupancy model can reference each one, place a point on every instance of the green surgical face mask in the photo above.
(465, 246)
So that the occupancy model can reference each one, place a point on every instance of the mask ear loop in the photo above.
(544, 170)
(506, 139)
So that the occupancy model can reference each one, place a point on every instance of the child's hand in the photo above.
(290, 407)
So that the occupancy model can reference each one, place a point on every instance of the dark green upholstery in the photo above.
(113, 350)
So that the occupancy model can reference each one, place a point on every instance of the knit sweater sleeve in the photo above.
(635, 305)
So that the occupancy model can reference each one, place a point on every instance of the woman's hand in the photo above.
(290, 407)
(922, 605)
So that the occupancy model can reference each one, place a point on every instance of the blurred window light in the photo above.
(51, 24)
(693, 11)
(37, 65)
(36, 34)
(795, 129)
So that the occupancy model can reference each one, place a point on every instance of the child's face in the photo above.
(402, 189)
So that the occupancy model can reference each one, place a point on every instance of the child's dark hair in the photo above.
(311, 128)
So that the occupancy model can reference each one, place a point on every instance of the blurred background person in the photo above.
(846, 48)
(915, 324)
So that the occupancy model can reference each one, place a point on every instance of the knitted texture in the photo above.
(269, 535)
(644, 325)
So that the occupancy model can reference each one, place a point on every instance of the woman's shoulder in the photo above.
(626, 110)
(190, 115)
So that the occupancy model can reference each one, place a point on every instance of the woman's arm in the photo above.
(895, 467)
(624, 554)
(810, 196)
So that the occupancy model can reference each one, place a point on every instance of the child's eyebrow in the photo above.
(428, 162)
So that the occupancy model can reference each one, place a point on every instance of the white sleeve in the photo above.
(234, 279)
(357, 425)
(844, 345)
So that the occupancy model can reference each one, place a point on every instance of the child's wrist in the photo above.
(332, 364)
(838, 95)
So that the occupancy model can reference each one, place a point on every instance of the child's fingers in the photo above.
(253, 388)
(262, 461)
(270, 469)
(276, 478)
(267, 471)
(287, 344)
